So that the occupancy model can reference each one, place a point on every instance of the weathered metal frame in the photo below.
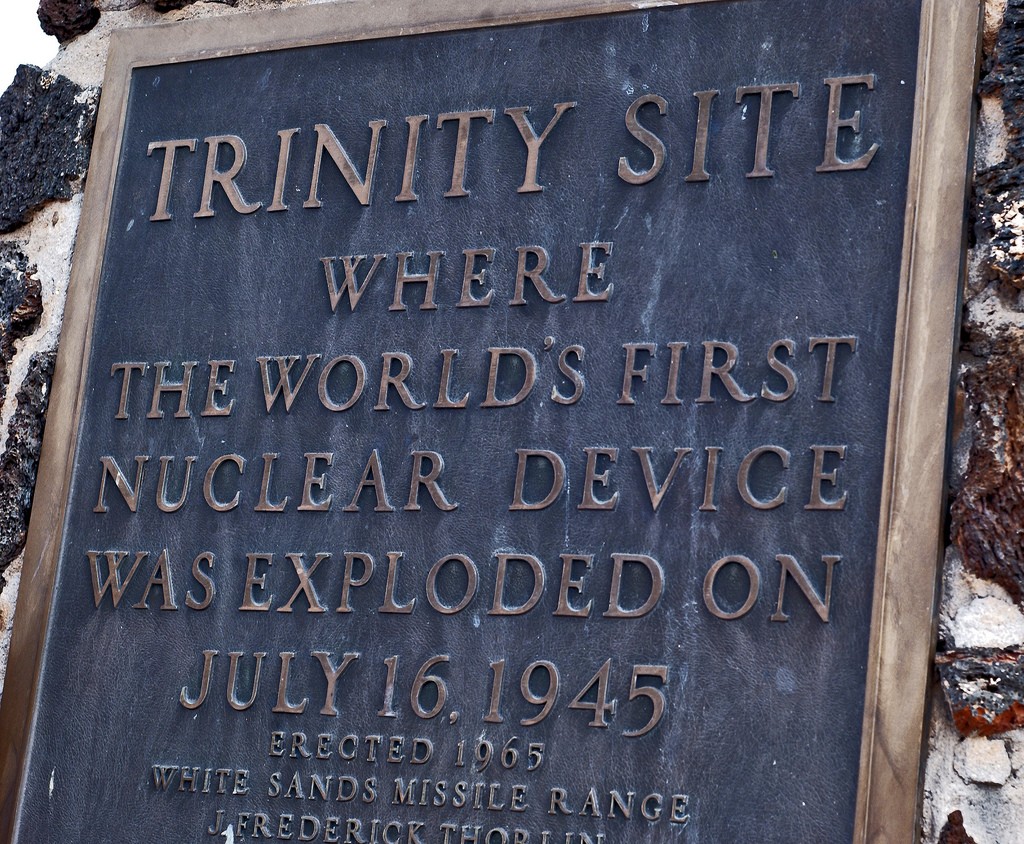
(913, 489)
(910, 538)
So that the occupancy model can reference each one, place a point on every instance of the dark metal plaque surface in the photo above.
(559, 524)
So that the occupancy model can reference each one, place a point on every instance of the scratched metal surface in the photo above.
(762, 723)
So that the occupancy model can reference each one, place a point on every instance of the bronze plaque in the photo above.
(486, 430)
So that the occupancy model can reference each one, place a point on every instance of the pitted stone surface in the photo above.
(20, 461)
(998, 189)
(984, 761)
(984, 689)
(20, 305)
(46, 127)
(988, 510)
(953, 832)
(989, 505)
(171, 5)
(988, 622)
(66, 19)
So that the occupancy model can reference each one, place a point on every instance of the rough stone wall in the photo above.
(974, 785)
(974, 779)
(46, 124)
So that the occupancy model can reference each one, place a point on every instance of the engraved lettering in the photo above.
(533, 141)
(831, 162)
(557, 468)
(764, 121)
(818, 474)
(170, 149)
(224, 178)
(351, 286)
(699, 172)
(791, 568)
(754, 581)
(283, 157)
(588, 268)
(361, 187)
(464, 119)
(653, 143)
(408, 193)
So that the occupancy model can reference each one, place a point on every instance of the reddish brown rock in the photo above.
(953, 832)
(988, 511)
(20, 460)
(987, 514)
(66, 19)
(984, 688)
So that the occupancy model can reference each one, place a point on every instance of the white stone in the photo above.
(995, 11)
(982, 760)
(988, 622)
(959, 589)
(1016, 740)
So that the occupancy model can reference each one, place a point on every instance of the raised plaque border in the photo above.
(913, 491)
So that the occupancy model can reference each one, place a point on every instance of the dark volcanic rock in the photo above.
(20, 309)
(20, 305)
(46, 126)
(171, 5)
(999, 189)
(65, 19)
(988, 510)
(21, 459)
(953, 832)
